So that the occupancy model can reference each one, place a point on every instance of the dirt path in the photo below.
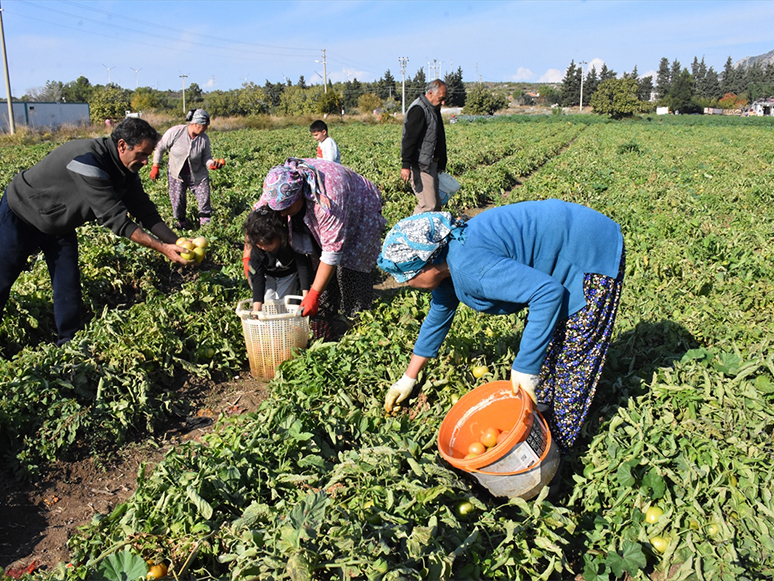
(36, 520)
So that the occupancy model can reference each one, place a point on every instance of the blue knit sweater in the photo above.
(530, 254)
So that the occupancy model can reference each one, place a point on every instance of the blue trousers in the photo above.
(18, 241)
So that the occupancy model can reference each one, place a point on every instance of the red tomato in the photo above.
(476, 448)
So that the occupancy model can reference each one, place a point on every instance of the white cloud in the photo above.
(596, 63)
(523, 74)
(211, 83)
(653, 74)
(552, 76)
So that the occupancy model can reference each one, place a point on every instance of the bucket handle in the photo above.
(243, 309)
(543, 457)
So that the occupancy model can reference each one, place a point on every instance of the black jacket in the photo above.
(78, 182)
(283, 262)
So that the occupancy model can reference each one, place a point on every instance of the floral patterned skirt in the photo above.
(576, 356)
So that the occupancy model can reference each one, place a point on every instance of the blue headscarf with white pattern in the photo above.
(416, 241)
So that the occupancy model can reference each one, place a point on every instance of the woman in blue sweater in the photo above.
(562, 261)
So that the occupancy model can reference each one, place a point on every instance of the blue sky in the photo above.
(220, 45)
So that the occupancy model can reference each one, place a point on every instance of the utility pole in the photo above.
(136, 78)
(581, 100)
(108, 68)
(184, 77)
(11, 125)
(403, 60)
(325, 72)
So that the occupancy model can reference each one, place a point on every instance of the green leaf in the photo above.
(591, 566)
(729, 363)
(631, 560)
(123, 566)
(204, 507)
(764, 384)
(624, 473)
(655, 483)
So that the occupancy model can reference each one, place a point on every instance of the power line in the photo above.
(228, 40)
(237, 49)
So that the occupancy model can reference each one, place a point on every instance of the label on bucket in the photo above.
(528, 452)
(537, 437)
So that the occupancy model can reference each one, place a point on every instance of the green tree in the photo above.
(108, 102)
(605, 73)
(681, 95)
(645, 89)
(273, 92)
(455, 89)
(663, 78)
(298, 101)
(193, 96)
(712, 88)
(618, 98)
(729, 80)
(550, 95)
(352, 92)
(590, 85)
(415, 87)
(145, 99)
(329, 103)
(385, 87)
(368, 102)
(77, 91)
(674, 72)
(482, 101)
(571, 85)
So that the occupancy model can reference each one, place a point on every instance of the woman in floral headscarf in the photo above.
(562, 261)
(334, 214)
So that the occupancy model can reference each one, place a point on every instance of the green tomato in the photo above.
(479, 371)
(712, 530)
(659, 543)
(455, 398)
(653, 514)
(465, 508)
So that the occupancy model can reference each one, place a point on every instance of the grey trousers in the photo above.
(425, 186)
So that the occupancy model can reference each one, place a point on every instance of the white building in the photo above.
(44, 114)
(763, 108)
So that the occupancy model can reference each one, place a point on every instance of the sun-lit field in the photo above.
(320, 484)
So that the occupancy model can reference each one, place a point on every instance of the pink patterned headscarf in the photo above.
(284, 184)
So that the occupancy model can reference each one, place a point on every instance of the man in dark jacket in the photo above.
(423, 146)
(78, 182)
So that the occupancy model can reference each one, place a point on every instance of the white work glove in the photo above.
(399, 391)
(525, 381)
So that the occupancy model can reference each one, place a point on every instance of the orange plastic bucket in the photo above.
(524, 460)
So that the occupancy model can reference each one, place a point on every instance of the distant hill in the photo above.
(763, 60)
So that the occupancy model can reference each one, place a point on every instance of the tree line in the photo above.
(285, 98)
(675, 87)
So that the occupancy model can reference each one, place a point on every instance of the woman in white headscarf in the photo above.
(190, 158)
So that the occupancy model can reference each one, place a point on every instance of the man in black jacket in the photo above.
(423, 146)
(78, 182)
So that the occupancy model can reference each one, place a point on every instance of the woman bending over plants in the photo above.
(564, 262)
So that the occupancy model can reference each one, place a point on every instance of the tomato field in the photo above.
(672, 477)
